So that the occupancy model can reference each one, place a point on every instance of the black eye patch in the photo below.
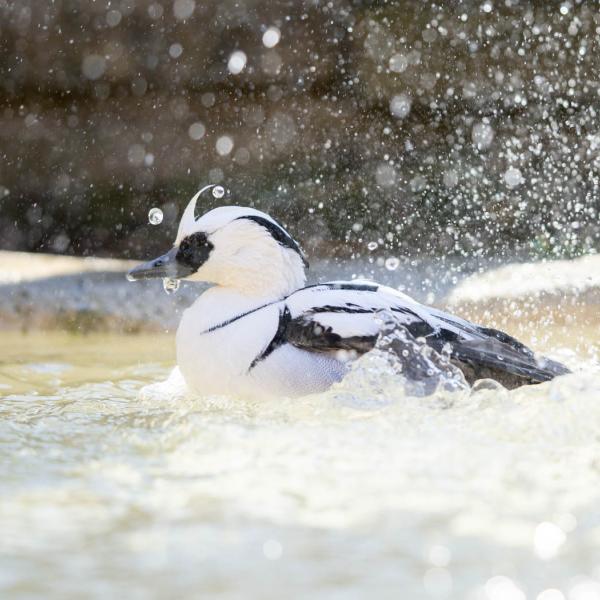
(194, 250)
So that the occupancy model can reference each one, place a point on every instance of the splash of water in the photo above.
(170, 285)
(155, 216)
(218, 191)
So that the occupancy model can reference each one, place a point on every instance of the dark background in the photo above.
(97, 100)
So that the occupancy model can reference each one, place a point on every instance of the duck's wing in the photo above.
(348, 316)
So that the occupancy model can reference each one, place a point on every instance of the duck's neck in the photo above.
(268, 278)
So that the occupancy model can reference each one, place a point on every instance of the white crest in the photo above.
(187, 224)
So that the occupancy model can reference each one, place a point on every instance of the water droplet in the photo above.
(271, 37)
(183, 9)
(392, 263)
(175, 50)
(385, 175)
(170, 285)
(372, 246)
(197, 130)
(398, 63)
(224, 145)
(155, 216)
(93, 66)
(272, 549)
(547, 540)
(513, 177)
(482, 135)
(400, 106)
(218, 191)
(237, 62)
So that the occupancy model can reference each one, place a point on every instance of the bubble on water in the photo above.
(550, 594)
(272, 549)
(503, 588)
(398, 63)
(237, 62)
(437, 582)
(584, 588)
(218, 191)
(547, 540)
(392, 263)
(487, 7)
(513, 177)
(170, 285)
(400, 106)
(439, 556)
(482, 135)
(372, 246)
(271, 37)
(197, 130)
(155, 216)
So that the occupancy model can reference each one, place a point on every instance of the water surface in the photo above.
(361, 492)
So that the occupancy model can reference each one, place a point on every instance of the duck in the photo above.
(260, 330)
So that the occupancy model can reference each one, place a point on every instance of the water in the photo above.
(218, 191)
(111, 488)
(155, 216)
(170, 285)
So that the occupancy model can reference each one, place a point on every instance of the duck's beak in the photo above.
(166, 265)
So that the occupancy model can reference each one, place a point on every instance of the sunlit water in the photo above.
(113, 489)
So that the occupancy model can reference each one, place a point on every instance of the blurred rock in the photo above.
(91, 302)
(546, 303)
(549, 282)
(16, 267)
(41, 291)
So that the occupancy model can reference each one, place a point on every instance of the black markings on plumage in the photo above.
(506, 339)
(278, 339)
(493, 353)
(417, 328)
(237, 317)
(310, 335)
(356, 287)
(347, 308)
(359, 287)
(194, 250)
(279, 234)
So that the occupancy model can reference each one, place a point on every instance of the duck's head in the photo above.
(232, 247)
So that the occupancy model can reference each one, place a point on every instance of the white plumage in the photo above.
(258, 331)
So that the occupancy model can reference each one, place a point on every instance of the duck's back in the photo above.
(300, 344)
(230, 345)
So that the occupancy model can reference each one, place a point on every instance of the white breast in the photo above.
(217, 361)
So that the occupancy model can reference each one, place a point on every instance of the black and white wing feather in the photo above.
(347, 316)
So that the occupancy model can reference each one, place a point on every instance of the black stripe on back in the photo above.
(346, 285)
(279, 234)
(237, 317)
(278, 339)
